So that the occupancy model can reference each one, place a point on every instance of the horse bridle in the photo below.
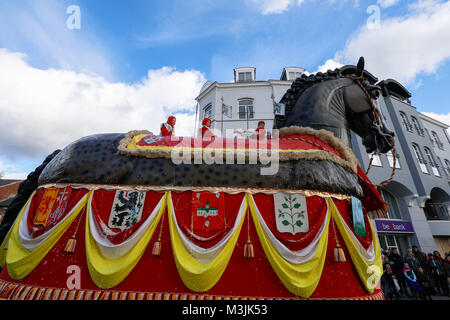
(378, 119)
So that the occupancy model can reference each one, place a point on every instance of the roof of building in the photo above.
(392, 87)
(433, 120)
(6, 202)
(4, 182)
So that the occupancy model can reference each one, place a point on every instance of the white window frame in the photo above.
(405, 121)
(417, 126)
(376, 159)
(390, 157)
(447, 167)
(419, 157)
(210, 112)
(248, 114)
(431, 161)
(436, 140)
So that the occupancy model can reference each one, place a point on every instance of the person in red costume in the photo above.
(206, 128)
(168, 128)
(261, 130)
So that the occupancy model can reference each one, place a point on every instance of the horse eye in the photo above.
(375, 93)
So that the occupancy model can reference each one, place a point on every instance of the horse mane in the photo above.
(298, 87)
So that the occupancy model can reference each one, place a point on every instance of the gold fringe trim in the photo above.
(14, 291)
(129, 138)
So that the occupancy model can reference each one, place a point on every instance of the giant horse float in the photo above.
(145, 217)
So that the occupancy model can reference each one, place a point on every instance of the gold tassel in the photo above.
(72, 242)
(70, 245)
(339, 255)
(248, 249)
(249, 252)
(158, 243)
(157, 248)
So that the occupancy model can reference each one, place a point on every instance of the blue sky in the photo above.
(142, 60)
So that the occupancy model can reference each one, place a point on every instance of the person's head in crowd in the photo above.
(415, 249)
(406, 266)
(448, 258)
(437, 254)
(395, 251)
(420, 270)
(411, 255)
(388, 268)
(431, 256)
(261, 124)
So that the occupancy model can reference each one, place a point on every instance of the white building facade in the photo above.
(241, 104)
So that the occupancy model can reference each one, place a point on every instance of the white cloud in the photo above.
(274, 6)
(403, 47)
(44, 110)
(8, 171)
(330, 64)
(387, 3)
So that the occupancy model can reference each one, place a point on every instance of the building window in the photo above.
(387, 241)
(436, 141)
(393, 211)
(294, 75)
(446, 135)
(436, 211)
(390, 158)
(432, 162)
(447, 167)
(246, 109)
(376, 161)
(245, 76)
(207, 112)
(419, 158)
(417, 126)
(405, 122)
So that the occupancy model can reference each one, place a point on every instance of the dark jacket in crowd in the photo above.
(436, 267)
(421, 258)
(447, 268)
(398, 263)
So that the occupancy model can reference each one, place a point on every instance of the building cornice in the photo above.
(227, 85)
(433, 121)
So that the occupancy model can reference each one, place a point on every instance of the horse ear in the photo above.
(360, 67)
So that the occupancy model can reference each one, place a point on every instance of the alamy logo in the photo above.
(229, 151)
(74, 20)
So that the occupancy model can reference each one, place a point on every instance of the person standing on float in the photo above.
(206, 128)
(168, 128)
(261, 130)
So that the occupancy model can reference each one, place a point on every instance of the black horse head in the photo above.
(338, 101)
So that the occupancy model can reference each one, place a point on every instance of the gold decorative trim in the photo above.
(229, 190)
(327, 137)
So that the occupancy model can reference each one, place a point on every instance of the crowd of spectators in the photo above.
(417, 275)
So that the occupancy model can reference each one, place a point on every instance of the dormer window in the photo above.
(291, 73)
(294, 75)
(244, 74)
